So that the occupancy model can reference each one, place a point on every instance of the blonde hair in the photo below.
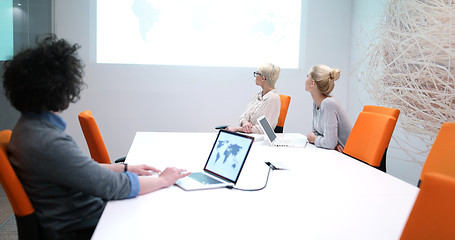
(325, 77)
(270, 72)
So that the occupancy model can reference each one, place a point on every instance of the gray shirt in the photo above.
(64, 185)
(330, 124)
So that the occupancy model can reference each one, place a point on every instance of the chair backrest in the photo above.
(370, 137)
(393, 112)
(13, 188)
(93, 137)
(382, 110)
(27, 223)
(441, 158)
(433, 214)
(285, 100)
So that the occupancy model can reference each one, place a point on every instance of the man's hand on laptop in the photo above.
(172, 174)
(143, 169)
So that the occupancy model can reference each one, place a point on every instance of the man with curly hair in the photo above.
(67, 189)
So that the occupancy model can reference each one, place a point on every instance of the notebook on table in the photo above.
(224, 164)
(272, 138)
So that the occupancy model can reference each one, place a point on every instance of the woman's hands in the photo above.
(311, 137)
(247, 127)
(339, 148)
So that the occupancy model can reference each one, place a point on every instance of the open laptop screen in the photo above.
(228, 155)
(267, 128)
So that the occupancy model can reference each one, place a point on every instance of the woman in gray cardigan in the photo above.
(331, 125)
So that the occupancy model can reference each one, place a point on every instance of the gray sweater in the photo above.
(330, 124)
(64, 185)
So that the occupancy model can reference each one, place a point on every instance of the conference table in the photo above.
(321, 194)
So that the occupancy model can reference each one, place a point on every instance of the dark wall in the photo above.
(31, 18)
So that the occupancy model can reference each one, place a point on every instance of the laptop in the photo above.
(279, 142)
(225, 162)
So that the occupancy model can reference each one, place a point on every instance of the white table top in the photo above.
(323, 195)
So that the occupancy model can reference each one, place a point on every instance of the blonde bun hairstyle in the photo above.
(325, 77)
(335, 74)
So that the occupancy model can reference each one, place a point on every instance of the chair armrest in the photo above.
(120, 160)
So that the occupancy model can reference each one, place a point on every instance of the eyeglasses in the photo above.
(256, 73)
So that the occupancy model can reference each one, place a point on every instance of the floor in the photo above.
(8, 230)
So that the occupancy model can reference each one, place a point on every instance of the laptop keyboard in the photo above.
(283, 141)
(200, 177)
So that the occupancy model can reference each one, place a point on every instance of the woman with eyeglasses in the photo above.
(265, 102)
(331, 125)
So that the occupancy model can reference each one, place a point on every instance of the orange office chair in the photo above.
(94, 139)
(433, 214)
(393, 112)
(441, 158)
(285, 100)
(27, 223)
(369, 138)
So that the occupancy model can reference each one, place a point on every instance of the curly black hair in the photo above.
(45, 78)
